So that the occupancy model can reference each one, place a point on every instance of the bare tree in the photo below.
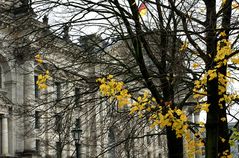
(144, 51)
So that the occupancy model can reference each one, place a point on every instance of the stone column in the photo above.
(12, 135)
(5, 136)
(29, 97)
(46, 126)
(190, 115)
(197, 117)
(197, 120)
(92, 121)
(29, 140)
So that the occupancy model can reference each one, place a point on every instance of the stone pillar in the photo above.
(29, 140)
(29, 97)
(190, 115)
(5, 136)
(190, 111)
(12, 135)
(10, 87)
(197, 117)
(29, 87)
(197, 120)
(92, 121)
(46, 126)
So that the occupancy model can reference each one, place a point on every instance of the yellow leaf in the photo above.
(223, 119)
(200, 144)
(179, 112)
(223, 34)
(38, 56)
(40, 77)
(40, 61)
(110, 77)
(195, 65)
(205, 106)
(222, 139)
(153, 99)
(212, 74)
(183, 117)
(183, 47)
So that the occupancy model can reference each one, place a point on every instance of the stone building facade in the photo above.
(20, 134)
(36, 123)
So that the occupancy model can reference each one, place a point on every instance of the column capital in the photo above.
(4, 115)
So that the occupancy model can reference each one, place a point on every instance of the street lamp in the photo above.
(76, 133)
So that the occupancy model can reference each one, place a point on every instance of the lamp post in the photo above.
(76, 133)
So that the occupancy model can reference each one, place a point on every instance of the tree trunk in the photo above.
(217, 138)
(223, 125)
(175, 145)
(212, 124)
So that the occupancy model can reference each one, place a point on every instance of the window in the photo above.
(36, 87)
(58, 120)
(78, 123)
(77, 97)
(58, 149)
(148, 138)
(159, 140)
(58, 91)
(37, 119)
(37, 145)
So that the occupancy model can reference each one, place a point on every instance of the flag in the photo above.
(142, 9)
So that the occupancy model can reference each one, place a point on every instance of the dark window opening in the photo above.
(78, 123)
(148, 138)
(58, 91)
(37, 120)
(159, 140)
(58, 120)
(37, 145)
(36, 87)
(77, 97)
(58, 149)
